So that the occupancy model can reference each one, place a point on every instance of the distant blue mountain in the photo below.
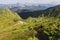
(16, 7)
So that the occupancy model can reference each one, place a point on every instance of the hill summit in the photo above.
(8, 17)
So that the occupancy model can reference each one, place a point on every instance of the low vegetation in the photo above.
(13, 27)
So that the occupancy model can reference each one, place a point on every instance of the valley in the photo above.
(24, 24)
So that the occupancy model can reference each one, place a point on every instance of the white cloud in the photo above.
(30, 1)
(48, 1)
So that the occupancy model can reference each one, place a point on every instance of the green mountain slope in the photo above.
(8, 17)
(12, 27)
(53, 11)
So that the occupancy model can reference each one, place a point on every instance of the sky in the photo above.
(29, 1)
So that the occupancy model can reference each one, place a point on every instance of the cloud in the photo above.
(47, 1)
(29, 1)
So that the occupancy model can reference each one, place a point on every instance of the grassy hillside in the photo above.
(8, 17)
(13, 27)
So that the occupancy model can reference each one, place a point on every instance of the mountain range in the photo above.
(33, 10)
(24, 24)
(30, 7)
(52, 11)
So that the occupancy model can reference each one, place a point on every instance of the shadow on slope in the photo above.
(33, 14)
